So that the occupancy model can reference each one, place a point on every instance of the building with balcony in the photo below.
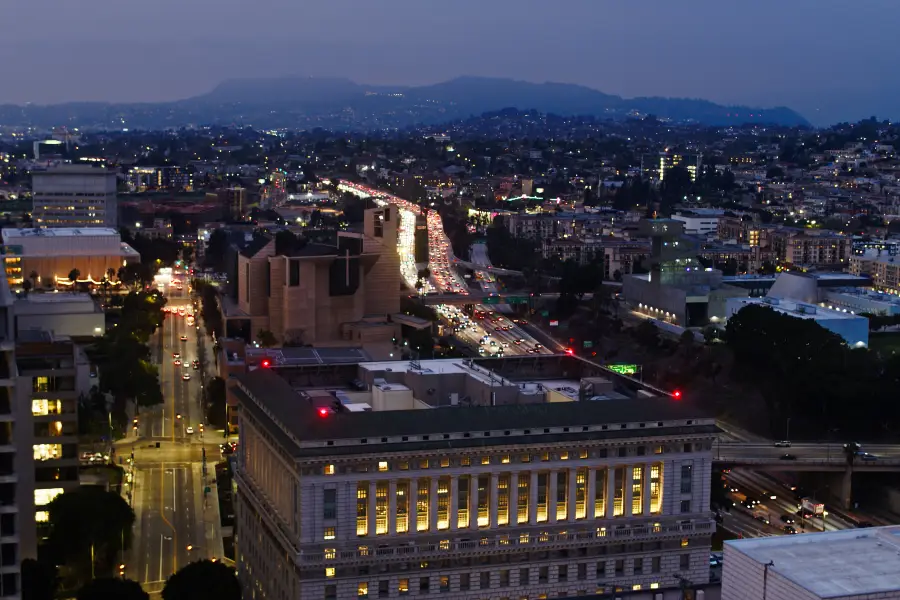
(75, 196)
(47, 256)
(811, 248)
(16, 524)
(518, 477)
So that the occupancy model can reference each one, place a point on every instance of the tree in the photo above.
(266, 338)
(112, 588)
(74, 274)
(26, 285)
(215, 250)
(89, 531)
(215, 402)
(203, 580)
(40, 580)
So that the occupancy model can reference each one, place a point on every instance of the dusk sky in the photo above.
(828, 59)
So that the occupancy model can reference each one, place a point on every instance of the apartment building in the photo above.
(578, 250)
(811, 248)
(884, 271)
(486, 478)
(75, 196)
(321, 294)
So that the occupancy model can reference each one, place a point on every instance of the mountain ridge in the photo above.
(340, 102)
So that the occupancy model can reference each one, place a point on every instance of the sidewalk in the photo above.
(208, 506)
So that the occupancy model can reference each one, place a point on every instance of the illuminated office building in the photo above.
(497, 478)
(75, 196)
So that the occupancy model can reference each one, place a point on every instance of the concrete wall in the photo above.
(638, 290)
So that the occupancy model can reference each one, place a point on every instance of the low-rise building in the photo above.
(851, 564)
(69, 315)
(853, 328)
(48, 256)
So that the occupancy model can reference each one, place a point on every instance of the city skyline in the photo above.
(718, 53)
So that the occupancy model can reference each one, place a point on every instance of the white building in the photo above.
(853, 328)
(71, 315)
(74, 196)
(699, 222)
(851, 564)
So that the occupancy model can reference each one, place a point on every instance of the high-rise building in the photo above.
(517, 477)
(74, 196)
(655, 166)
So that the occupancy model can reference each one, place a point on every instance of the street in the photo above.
(177, 521)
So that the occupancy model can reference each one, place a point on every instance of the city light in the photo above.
(323, 412)
(677, 394)
(266, 363)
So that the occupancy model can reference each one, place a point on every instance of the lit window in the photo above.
(445, 462)
(654, 586)
(485, 460)
(545, 456)
(583, 454)
(329, 571)
(362, 590)
(47, 451)
(329, 469)
(505, 459)
(330, 553)
(329, 533)
(382, 466)
(465, 461)
(563, 456)
(46, 496)
(404, 466)
(684, 542)
(423, 464)
(636, 587)
(525, 458)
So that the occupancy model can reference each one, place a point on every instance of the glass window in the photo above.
(484, 500)
(422, 504)
(46, 407)
(47, 451)
(329, 533)
(462, 501)
(600, 493)
(637, 485)
(443, 503)
(542, 497)
(381, 508)
(522, 498)
(329, 504)
(656, 488)
(687, 471)
(503, 499)
(581, 494)
(485, 460)
(383, 466)
(362, 589)
(562, 495)
(403, 587)
(619, 491)
(46, 496)
(328, 470)
(362, 508)
(402, 506)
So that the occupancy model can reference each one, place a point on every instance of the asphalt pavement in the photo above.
(177, 522)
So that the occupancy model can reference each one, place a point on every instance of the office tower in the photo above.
(74, 196)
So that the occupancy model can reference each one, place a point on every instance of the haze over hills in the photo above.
(305, 102)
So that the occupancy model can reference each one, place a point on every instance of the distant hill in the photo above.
(304, 102)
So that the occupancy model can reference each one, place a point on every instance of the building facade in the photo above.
(75, 196)
(514, 501)
(47, 256)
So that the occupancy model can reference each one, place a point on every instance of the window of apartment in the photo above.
(465, 461)
(687, 471)
(618, 491)
(524, 480)
(525, 458)
(384, 588)
(485, 460)
(328, 470)
(563, 456)
(362, 589)
(655, 564)
(424, 584)
(484, 580)
(484, 501)
(504, 578)
(423, 502)
(403, 587)
(465, 582)
(444, 581)
(445, 462)
(600, 493)
(684, 562)
(329, 571)
(47, 451)
(620, 567)
(330, 592)
(543, 574)
(637, 487)
(383, 466)
(329, 533)
(562, 573)
(562, 495)
(656, 488)
(582, 454)
(582, 571)
(423, 464)
(638, 566)
(523, 576)
(601, 569)
(503, 499)
(542, 497)
(41, 408)
(443, 503)
(685, 507)
(329, 504)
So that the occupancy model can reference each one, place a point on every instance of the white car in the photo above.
(186, 377)
(189, 430)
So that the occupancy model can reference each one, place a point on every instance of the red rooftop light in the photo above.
(323, 412)
(677, 394)
(266, 363)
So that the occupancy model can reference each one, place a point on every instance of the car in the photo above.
(788, 530)
(783, 444)
(748, 504)
(787, 457)
(517, 342)
(538, 346)
(186, 377)
(769, 495)
(867, 457)
(177, 362)
(189, 430)
(176, 355)
(787, 519)
(184, 338)
(761, 518)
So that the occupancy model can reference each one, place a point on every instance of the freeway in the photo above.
(176, 522)
(807, 456)
(491, 333)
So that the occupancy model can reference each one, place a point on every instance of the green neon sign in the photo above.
(624, 369)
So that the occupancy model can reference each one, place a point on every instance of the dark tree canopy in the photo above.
(84, 518)
(203, 580)
(112, 588)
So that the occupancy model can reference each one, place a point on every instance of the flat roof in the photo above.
(850, 562)
(801, 310)
(59, 232)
